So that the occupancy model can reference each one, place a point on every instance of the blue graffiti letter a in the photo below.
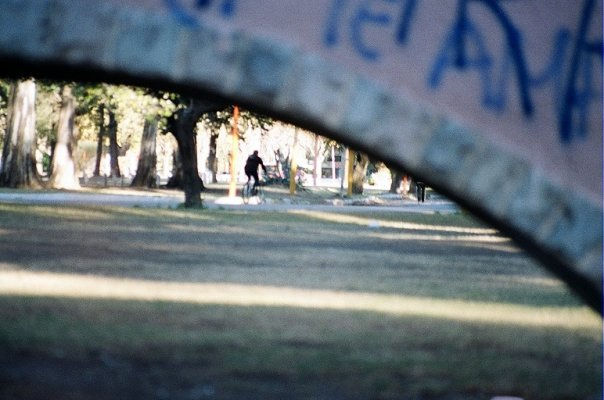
(452, 56)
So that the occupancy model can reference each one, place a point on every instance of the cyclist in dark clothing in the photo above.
(251, 168)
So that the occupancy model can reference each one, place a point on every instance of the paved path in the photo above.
(171, 201)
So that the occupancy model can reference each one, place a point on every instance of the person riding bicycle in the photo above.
(251, 168)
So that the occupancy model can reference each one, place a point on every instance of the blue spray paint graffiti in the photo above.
(480, 59)
(331, 36)
(367, 15)
(465, 49)
(185, 15)
(404, 27)
(576, 98)
(463, 29)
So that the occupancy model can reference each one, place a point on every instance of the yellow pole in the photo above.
(234, 152)
(294, 166)
(350, 167)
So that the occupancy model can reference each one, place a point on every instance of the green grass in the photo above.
(153, 303)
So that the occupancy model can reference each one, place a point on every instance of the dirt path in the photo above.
(277, 199)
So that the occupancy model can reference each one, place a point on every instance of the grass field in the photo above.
(108, 303)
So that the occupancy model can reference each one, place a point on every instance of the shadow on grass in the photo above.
(453, 318)
(104, 349)
(278, 249)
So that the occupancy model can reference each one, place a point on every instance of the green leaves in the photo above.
(247, 119)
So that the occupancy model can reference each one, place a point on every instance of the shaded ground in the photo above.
(219, 304)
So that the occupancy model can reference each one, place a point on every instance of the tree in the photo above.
(18, 154)
(114, 166)
(359, 171)
(318, 157)
(397, 179)
(100, 138)
(4, 91)
(182, 125)
(214, 121)
(63, 175)
(111, 115)
(91, 103)
(146, 170)
(48, 106)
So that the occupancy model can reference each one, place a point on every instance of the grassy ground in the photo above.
(170, 304)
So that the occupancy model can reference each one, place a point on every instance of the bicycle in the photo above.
(249, 194)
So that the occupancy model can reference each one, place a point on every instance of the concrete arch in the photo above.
(165, 43)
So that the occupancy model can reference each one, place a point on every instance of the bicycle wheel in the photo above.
(246, 193)
(260, 194)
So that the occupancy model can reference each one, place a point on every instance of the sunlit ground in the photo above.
(24, 283)
(138, 303)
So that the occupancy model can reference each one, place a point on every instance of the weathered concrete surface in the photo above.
(561, 224)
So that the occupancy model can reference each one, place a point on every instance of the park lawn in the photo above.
(149, 303)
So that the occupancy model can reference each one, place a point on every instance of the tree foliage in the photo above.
(117, 118)
(214, 121)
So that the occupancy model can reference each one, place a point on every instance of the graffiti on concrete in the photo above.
(574, 93)
(366, 16)
(569, 72)
(183, 14)
(578, 95)
(464, 48)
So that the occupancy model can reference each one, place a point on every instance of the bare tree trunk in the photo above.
(63, 175)
(187, 152)
(147, 161)
(99, 145)
(113, 147)
(333, 162)
(18, 154)
(52, 144)
(359, 171)
(175, 181)
(282, 164)
(212, 161)
(406, 185)
(397, 178)
(316, 166)
(182, 125)
(343, 169)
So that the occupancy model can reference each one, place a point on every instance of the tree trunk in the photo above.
(282, 164)
(99, 145)
(182, 125)
(175, 180)
(18, 154)
(397, 179)
(147, 160)
(406, 185)
(333, 162)
(212, 161)
(359, 171)
(113, 147)
(316, 171)
(63, 175)
(187, 153)
(52, 144)
(343, 169)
